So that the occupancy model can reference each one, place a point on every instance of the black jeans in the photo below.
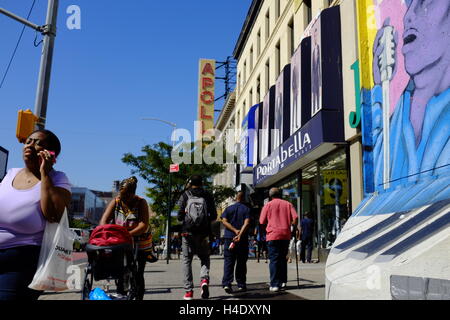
(278, 250)
(140, 281)
(238, 257)
(17, 268)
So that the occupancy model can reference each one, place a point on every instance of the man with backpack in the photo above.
(197, 212)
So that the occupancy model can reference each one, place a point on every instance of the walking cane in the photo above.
(296, 256)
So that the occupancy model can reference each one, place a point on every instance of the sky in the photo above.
(130, 60)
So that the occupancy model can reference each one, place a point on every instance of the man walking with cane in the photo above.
(279, 215)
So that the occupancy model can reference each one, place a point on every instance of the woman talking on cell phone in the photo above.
(29, 197)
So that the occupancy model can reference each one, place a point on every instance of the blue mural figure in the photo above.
(420, 125)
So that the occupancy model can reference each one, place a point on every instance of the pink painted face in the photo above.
(426, 35)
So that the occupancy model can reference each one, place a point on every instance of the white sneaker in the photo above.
(283, 286)
(274, 289)
(118, 296)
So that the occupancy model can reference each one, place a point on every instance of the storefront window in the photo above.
(333, 197)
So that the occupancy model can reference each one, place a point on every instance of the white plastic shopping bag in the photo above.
(55, 258)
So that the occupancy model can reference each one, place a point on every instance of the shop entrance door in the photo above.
(309, 190)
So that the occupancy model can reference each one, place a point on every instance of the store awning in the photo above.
(321, 135)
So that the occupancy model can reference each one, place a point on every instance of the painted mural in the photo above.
(405, 61)
(395, 244)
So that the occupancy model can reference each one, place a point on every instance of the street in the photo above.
(164, 281)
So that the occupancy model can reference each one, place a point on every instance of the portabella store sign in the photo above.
(298, 145)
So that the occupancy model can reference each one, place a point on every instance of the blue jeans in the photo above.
(17, 268)
(237, 256)
(278, 250)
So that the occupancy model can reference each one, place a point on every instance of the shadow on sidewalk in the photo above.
(259, 291)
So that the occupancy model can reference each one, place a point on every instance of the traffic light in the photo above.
(26, 121)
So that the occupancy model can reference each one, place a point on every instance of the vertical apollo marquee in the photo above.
(206, 87)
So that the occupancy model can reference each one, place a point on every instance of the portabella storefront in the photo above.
(302, 148)
(313, 178)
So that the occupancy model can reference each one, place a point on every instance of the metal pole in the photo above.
(296, 256)
(168, 219)
(21, 20)
(174, 126)
(40, 108)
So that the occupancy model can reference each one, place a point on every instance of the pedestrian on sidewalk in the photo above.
(197, 212)
(306, 235)
(279, 215)
(259, 231)
(236, 219)
(261, 242)
(131, 211)
(29, 197)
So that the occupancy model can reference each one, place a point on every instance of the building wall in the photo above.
(350, 75)
(85, 205)
(276, 48)
(268, 50)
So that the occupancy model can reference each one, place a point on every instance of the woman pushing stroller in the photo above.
(131, 211)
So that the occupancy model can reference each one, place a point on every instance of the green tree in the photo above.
(79, 224)
(153, 167)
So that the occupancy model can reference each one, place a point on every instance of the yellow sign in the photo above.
(206, 86)
(335, 186)
(367, 27)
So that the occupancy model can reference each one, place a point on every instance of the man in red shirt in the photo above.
(279, 215)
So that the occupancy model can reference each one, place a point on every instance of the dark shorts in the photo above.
(17, 268)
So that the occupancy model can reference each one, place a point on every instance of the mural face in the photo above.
(296, 111)
(407, 109)
(425, 23)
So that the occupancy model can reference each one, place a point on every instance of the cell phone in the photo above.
(53, 153)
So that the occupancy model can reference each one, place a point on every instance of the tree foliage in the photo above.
(153, 166)
(79, 224)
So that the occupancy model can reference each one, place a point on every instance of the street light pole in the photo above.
(49, 32)
(40, 106)
(173, 125)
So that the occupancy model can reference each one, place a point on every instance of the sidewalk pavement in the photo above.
(165, 282)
